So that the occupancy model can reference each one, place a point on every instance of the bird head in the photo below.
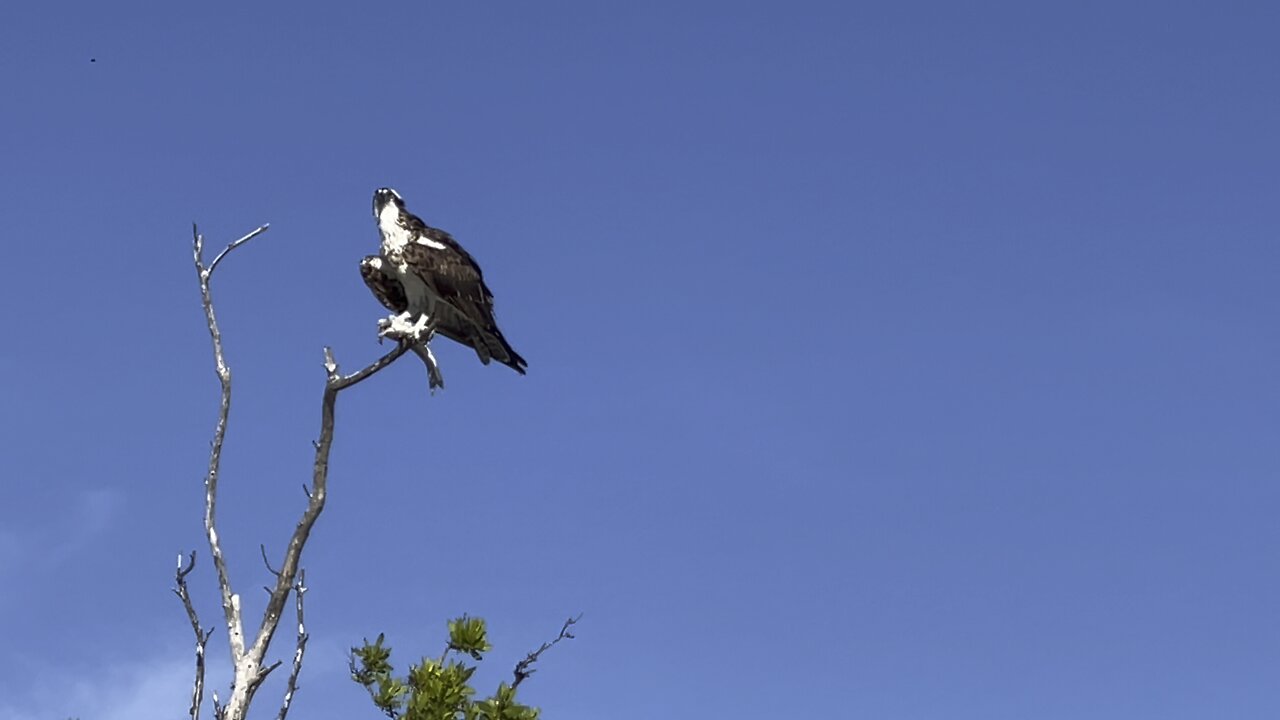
(384, 196)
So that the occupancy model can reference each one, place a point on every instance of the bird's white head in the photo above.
(383, 197)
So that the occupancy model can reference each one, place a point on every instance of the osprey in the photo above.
(432, 285)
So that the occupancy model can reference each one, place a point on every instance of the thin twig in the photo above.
(299, 589)
(525, 668)
(202, 636)
(263, 549)
(253, 234)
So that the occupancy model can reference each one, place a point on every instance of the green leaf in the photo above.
(469, 635)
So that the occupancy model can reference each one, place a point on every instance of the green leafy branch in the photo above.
(440, 689)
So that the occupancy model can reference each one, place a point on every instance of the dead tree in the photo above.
(248, 653)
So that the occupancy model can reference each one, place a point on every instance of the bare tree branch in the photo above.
(230, 601)
(249, 668)
(342, 382)
(334, 383)
(202, 636)
(299, 589)
(525, 668)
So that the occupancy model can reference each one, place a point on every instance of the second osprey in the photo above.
(433, 285)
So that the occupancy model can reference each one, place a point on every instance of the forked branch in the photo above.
(202, 636)
(247, 658)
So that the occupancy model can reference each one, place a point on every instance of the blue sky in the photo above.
(900, 360)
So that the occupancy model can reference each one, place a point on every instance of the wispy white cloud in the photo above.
(145, 689)
(156, 686)
(152, 688)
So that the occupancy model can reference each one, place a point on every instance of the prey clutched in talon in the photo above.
(401, 328)
(394, 326)
(434, 378)
(416, 335)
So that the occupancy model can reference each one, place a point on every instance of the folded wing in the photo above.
(465, 314)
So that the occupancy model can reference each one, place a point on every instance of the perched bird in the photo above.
(432, 285)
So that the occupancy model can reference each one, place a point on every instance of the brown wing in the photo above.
(457, 279)
(388, 290)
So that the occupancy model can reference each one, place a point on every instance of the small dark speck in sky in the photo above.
(93, 59)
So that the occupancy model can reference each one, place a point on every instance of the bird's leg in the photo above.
(417, 335)
(422, 329)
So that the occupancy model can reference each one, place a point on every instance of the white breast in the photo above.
(394, 238)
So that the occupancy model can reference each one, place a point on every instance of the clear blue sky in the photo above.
(907, 360)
